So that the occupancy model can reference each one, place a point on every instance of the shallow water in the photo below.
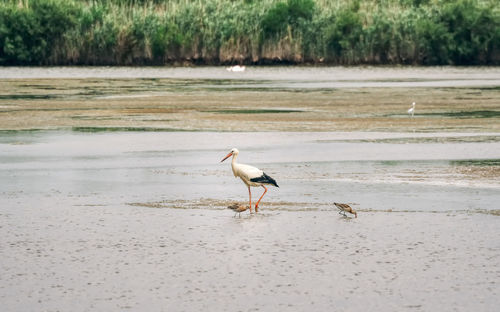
(292, 77)
(312, 169)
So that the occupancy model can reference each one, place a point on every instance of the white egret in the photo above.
(411, 111)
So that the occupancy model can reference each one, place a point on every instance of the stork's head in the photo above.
(413, 104)
(234, 151)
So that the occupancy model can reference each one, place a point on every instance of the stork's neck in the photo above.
(234, 163)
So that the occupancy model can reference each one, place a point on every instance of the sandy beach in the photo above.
(116, 200)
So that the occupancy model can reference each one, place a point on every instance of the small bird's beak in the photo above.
(227, 156)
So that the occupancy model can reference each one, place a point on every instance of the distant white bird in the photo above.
(251, 176)
(236, 68)
(411, 111)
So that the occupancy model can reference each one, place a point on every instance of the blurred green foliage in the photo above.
(126, 32)
(28, 35)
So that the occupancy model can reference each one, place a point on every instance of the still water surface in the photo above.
(280, 77)
(312, 169)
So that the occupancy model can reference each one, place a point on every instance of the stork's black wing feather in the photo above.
(264, 178)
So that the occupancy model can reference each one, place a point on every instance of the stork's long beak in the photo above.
(227, 156)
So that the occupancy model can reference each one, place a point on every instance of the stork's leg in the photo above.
(250, 199)
(257, 204)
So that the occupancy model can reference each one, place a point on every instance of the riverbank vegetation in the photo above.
(157, 32)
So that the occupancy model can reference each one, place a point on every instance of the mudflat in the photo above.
(113, 197)
(260, 99)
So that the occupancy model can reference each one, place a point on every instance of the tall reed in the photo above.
(147, 32)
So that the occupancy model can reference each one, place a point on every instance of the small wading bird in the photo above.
(251, 176)
(343, 208)
(237, 208)
(236, 68)
(411, 111)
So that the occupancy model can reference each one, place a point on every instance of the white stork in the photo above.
(251, 176)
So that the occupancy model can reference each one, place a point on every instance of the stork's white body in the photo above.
(246, 173)
(251, 176)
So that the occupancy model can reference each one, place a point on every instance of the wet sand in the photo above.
(113, 197)
(131, 258)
